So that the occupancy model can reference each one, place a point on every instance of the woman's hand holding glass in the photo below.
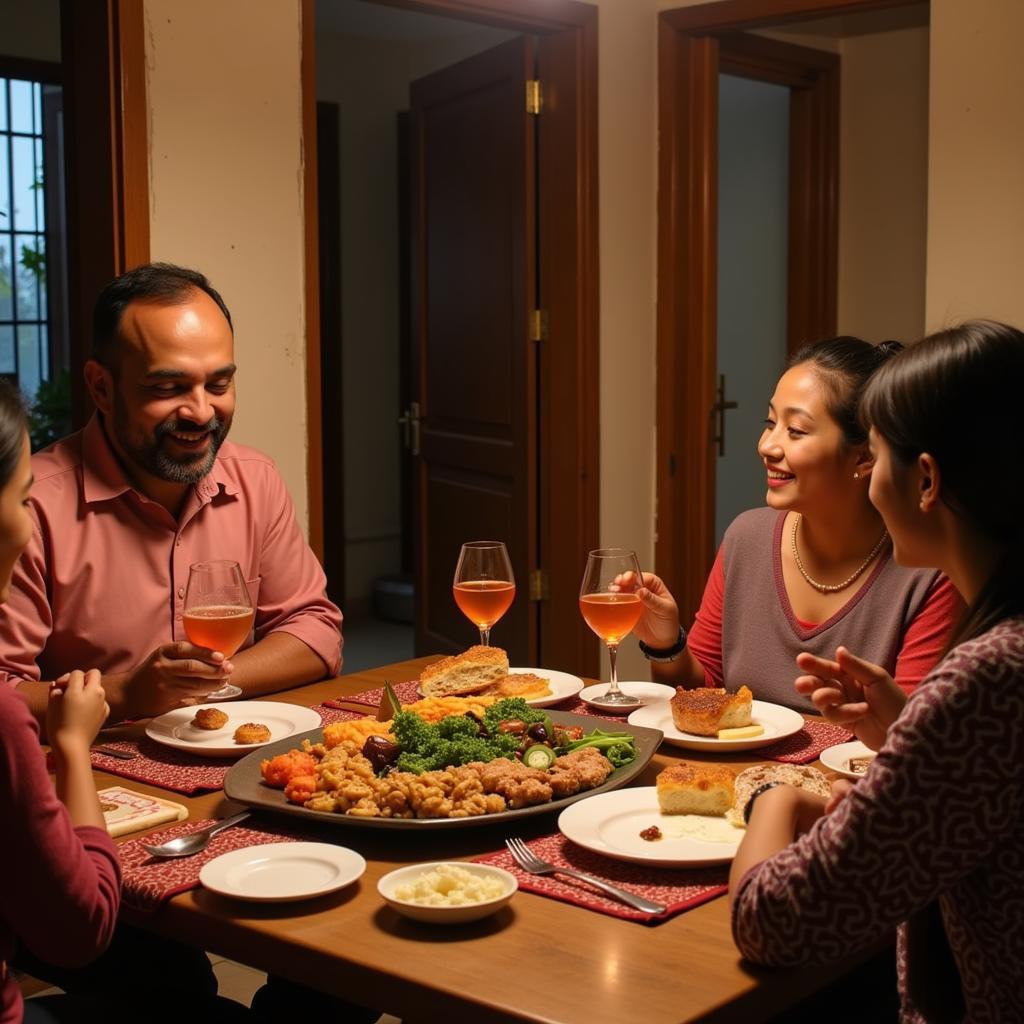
(658, 625)
(853, 693)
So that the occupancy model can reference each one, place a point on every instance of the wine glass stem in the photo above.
(485, 636)
(613, 687)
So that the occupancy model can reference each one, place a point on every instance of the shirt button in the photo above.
(181, 591)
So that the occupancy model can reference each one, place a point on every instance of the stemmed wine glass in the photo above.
(484, 585)
(609, 611)
(218, 612)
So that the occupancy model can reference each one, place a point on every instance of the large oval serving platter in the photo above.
(245, 784)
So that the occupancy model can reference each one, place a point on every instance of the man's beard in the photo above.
(152, 456)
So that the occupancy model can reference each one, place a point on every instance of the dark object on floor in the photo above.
(393, 598)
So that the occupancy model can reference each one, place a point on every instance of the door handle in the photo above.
(410, 423)
(719, 410)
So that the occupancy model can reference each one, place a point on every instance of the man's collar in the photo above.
(104, 478)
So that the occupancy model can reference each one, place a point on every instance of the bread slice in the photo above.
(702, 712)
(688, 788)
(799, 775)
(462, 674)
(522, 684)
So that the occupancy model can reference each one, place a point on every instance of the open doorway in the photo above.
(446, 415)
(848, 159)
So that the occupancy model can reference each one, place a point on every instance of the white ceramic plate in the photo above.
(837, 757)
(175, 729)
(282, 871)
(646, 693)
(611, 823)
(563, 686)
(778, 723)
(389, 884)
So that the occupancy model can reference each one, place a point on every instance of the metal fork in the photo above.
(530, 862)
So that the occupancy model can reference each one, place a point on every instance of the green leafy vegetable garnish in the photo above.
(618, 747)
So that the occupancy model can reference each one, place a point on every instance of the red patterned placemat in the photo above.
(805, 746)
(148, 881)
(405, 692)
(179, 770)
(679, 890)
(330, 715)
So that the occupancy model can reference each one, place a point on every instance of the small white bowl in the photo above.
(388, 885)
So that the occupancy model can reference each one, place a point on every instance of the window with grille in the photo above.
(33, 343)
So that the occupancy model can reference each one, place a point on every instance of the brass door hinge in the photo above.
(539, 585)
(538, 325)
(533, 96)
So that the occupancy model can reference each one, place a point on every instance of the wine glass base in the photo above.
(227, 692)
(620, 698)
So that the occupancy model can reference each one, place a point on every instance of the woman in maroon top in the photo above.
(931, 840)
(61, 874)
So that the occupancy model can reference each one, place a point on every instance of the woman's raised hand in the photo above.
(659, 624)
(852, 692)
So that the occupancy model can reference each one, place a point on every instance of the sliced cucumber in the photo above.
(538, 756)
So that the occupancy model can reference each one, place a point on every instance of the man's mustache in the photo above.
(213, 426)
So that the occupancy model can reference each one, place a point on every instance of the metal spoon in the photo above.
(194, 842)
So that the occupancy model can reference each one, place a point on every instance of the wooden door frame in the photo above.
(103, 49)
(569, 456)
(690, 42)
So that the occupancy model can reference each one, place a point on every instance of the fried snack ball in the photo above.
(280, 770)
(252, 732)
(210, 718)
(300, 788)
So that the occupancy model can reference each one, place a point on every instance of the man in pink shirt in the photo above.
(147, 488)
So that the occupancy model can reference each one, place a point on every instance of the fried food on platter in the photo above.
(280, 770)
(433, 709)
(355, 731)
(252, 732)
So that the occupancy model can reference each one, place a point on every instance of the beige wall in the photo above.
(883, 184)
(976, 162)
(226, 194)
(31, 29)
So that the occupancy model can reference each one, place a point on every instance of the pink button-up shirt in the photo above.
(102, 581)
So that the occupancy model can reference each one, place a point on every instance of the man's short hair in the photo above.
(152, 282)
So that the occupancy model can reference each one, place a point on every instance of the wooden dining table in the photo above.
(537, 959)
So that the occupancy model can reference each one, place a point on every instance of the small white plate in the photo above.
(175, 729)
(646, 693)
(389, 884)
(563, 686)
(778, 723)
(611, 823)
(282, 871)
(836, 757)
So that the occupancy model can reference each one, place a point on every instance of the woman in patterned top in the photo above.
(931, 840)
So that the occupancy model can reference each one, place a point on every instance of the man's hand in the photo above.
(173, 675)
(659, 624)
(853, 693)
(76, 710)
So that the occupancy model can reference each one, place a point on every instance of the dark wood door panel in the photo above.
(474, 270)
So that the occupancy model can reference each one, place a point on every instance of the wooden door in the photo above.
(473, 230)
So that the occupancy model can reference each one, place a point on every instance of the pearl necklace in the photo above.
(832, 588)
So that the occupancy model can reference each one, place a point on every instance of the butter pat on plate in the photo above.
(742, 732)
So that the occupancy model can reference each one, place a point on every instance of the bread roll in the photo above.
(688, 788)
(461, 674)
(799, 775)
(702, 712)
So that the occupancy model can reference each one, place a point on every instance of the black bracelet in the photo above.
(753, 796)
(665, 653)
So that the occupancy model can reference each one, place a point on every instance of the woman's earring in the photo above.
(856, 475)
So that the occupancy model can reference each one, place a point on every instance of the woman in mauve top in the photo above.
(931, 840)
(813, 570)
(61, 875)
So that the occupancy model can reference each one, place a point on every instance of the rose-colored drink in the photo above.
(483, 602)
(219, 627)
(611, 616)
